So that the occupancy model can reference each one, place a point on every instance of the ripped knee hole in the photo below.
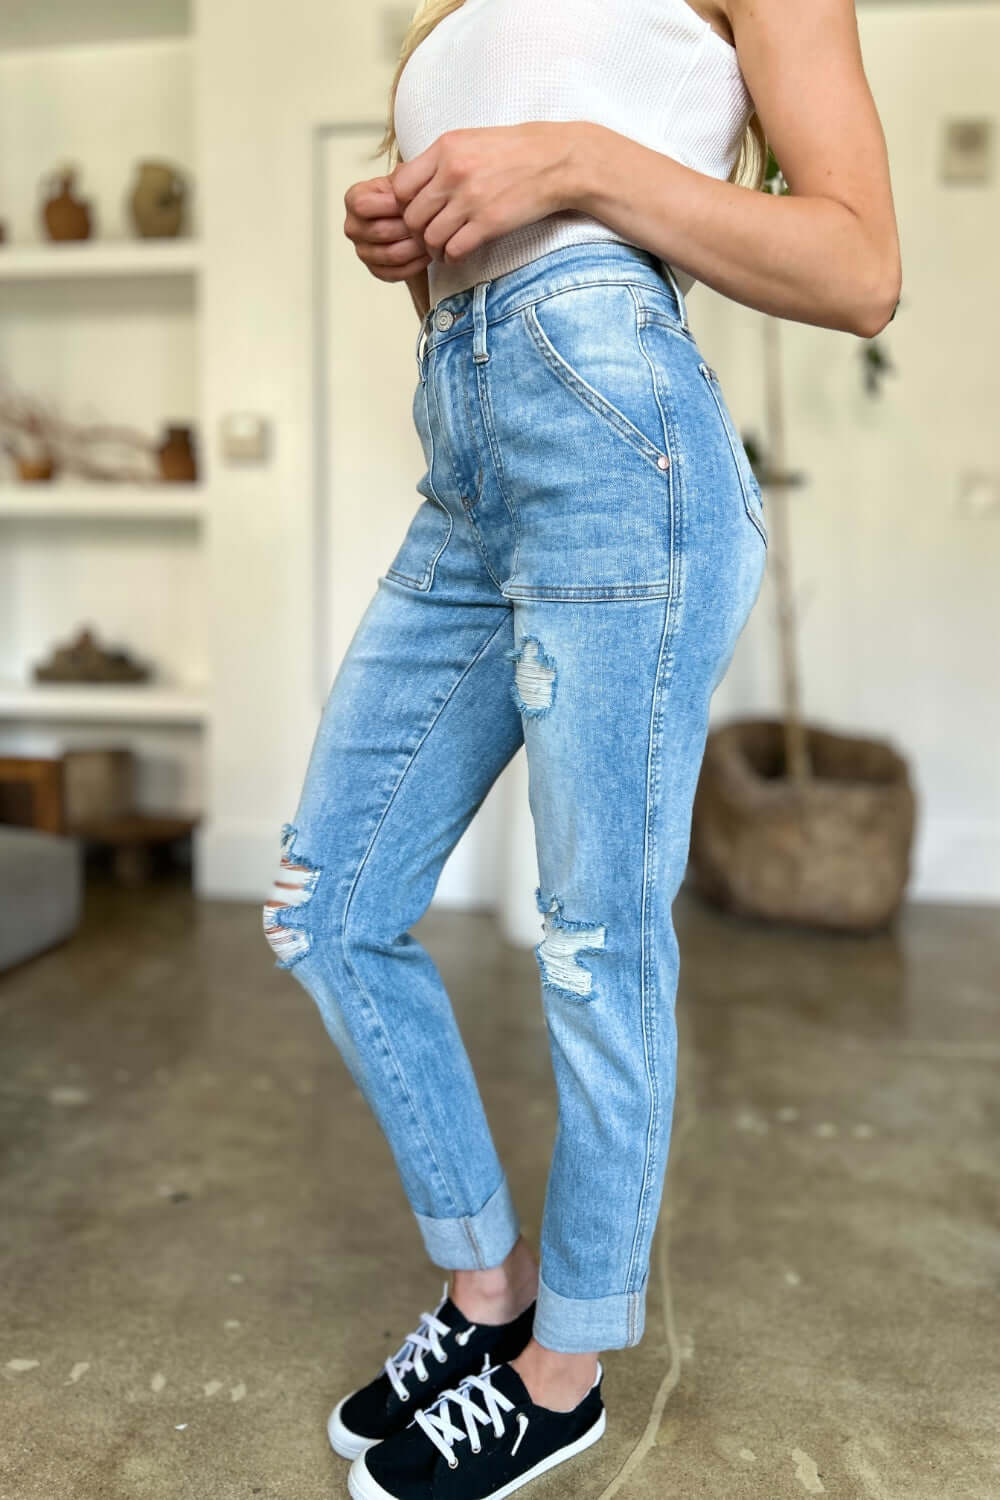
(293, 886)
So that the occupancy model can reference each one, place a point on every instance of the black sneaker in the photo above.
(445, 1340)
(444, 1453)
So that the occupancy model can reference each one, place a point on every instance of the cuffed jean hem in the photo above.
(476, 1241)
(575, 1325)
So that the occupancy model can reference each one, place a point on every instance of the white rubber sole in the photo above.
(342, 1440)
(363, 1487)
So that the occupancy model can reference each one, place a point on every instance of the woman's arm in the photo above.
(828, 251)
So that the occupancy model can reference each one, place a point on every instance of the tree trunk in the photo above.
(797, 766)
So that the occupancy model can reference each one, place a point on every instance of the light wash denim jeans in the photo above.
(588, 549)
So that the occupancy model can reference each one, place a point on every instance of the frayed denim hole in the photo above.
(533, 687)
(558, 952)
(293, 887)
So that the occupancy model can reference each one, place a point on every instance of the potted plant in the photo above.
(794, 822)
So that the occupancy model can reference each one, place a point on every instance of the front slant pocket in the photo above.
(428, 532)
(588, 337)
(753, 499)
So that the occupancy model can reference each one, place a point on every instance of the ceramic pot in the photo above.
(157, 200)
(66, 217)
(176, 456)
(35, 470)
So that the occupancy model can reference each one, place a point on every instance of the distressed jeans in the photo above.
(589, 545)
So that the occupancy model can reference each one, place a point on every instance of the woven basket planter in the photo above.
(833, 852)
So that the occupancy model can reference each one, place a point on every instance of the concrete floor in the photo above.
(204, 1242)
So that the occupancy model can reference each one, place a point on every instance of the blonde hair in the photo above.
(749, 170)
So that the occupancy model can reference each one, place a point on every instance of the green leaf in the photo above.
(876, 364)
(774, 181)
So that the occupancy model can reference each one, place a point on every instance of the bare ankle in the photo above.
(558, 1381)
(500, 1293)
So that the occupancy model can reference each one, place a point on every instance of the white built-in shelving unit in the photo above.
(102, 502)
(120, 703)
(83, 259)
(107, 330)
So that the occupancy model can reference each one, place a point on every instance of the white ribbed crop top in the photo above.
(653, 70)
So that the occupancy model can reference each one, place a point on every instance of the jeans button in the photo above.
(443, 319)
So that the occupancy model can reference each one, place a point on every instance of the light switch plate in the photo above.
(244, 437)
(979, 492)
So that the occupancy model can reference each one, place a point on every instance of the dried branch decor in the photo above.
(33, 434)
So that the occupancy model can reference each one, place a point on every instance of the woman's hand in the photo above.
(471, 186)
(382, 240)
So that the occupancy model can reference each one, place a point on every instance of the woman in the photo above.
(590, 544)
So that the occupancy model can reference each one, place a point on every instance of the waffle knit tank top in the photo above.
(653, 70)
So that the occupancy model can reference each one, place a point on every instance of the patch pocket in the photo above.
(431, 526)
(753, 499)
(588, 337)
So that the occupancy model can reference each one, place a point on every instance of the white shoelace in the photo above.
(436, 1419)
(425, 1339)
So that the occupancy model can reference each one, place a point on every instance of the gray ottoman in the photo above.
(41, 891)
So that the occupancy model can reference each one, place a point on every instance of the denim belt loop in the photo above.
(681, 304)
(421, 345)
(480, 353)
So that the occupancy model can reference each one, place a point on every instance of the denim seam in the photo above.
(481, 547)
(656, 377)
(712, 383)
(588, 593)
(473, 499)
(663, 683)
(431, 390)
(486, 407)
(675, 479)
(467, 1221)
(449, 451)
(468, 508)
(474, 1244)
(649, 838)
(426, 580)
(373, 1008)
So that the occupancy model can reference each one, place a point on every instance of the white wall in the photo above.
(44, 23)
(899, 603)
(896, 578)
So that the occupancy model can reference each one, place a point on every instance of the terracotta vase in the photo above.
(176, 455)
(157, 200)
(36, 470)
(66, 217)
